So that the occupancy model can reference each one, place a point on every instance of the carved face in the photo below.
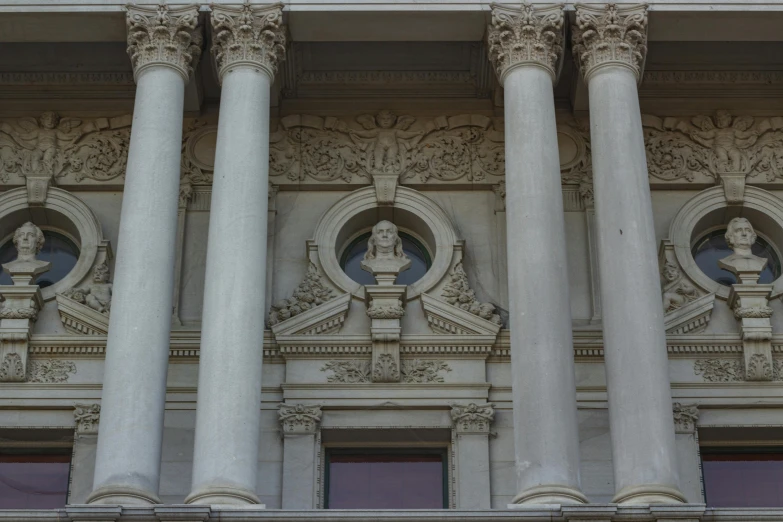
(740, 234)
(722, 119)
(28, 239)
(670, 271)
(101, 274)
(385, 119)
(49, 120)
(385, 235)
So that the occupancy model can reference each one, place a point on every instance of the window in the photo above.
(712, 247)
(34, 480)
(352, 258)
(386, 479)
(734, 477)
(58, 249)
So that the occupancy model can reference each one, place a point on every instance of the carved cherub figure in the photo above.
(384, 133)
(677, 291)
(726, 139)
(97, 295)
(44, 137)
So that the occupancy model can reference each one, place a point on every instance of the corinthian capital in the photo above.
(247, 35)
(525, 36)
(164, 36)
(610, 35)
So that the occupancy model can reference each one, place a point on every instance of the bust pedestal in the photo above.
(385, 310)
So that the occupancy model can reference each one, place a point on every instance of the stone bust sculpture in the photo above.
(385, 258)
(28, 240)
(740, 237)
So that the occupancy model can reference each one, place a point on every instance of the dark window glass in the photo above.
(34, 481)
(352, 258)
(386, 479)
(712, 247)
(734, 478)
(57, 249)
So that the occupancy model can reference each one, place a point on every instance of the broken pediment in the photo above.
(326, 318)
(80, 319)
(444, 318)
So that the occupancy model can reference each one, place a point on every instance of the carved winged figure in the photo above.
(727, 137)
(45, 139)
(384, 135)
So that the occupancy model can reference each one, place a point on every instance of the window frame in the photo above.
(719, 449)
(43, 449)
(443, 452)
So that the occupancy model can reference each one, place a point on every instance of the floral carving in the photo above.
(51, 147)
(685, 417)
(96, 295)
(458, 293)
(49, 370)
(386, 311)
(87, 417)
(445, 148)
(163, 36)
(752, 312)
(677, 290)
(759, 368)
(417, 371)
(710, 146)
(310, 293)
(385, 369)
(299, 418)
(12, 369)
(349, 372)
(473, 418)
(719, 370)
(248, 35)
(30, 312)
(526, 35)
(610, 34)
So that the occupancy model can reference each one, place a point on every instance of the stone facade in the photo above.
(554, 165)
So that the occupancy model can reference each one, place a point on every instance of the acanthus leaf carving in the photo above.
(49, 370)
(473, 418)
(248, 35)
(385, 369)
(348, 372)
(299, 418)
(685, 417)
(87, 417)
(610, 34)
(759, 368)
(526, 35)
(418, 371)
(12, 368)
(163, 35)
(719, 370)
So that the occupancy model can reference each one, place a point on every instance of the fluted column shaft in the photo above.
(228, 417)
(609, 46)
(525, 46)
(127, 467)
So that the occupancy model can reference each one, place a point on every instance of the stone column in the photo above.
(526, 46)
(300, 427)
(609, 47)
(163, 44)
(471, 424)
(248, 43)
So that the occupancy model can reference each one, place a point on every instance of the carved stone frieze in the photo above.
(49, 370)
(467, 147)
(753, 312)
(49, 148)
(385, 368)
(348, 372)
(473, 418)
(310, 293)
(610, 34)
(163, 35)
(248, 35)
(299, 418)
(386, 310)
(419, 371)
(526, 35)
(759, 368)
(28, 312)
(87, 417)
(685, 417)
(459, 293)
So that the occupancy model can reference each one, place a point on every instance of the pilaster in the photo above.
(472, 429)
(300, 424)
